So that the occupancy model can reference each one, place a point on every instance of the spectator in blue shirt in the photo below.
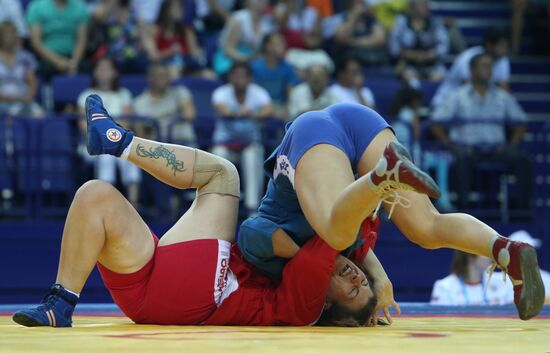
(274, 74)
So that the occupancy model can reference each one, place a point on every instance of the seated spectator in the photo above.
(18, 82)
(419, 42)
(495, 43)
(210, 18)
(273, 73)
(58, 31)
(118, 101)
(482, 111)
(119, 35)
(13, 12)
(360, 36)
(164, 103)
(350, 85)
(242, 35)
(242, 105)
(406, 109)
(147, 13)
(313, 94)
(299, 24)
(177, 42)
(468, 283)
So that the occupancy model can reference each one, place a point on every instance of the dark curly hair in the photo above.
(337, 315)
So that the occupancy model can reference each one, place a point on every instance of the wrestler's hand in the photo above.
(383, 289)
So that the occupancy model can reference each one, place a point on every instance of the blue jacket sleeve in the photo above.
(255, 243)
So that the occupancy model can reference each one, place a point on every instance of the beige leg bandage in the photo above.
(214, 175)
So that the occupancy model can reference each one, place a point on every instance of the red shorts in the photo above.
(181, 285)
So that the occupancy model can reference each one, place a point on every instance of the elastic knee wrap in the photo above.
(214, 175)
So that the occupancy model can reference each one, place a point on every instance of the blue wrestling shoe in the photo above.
(105, 136)
(56, 309)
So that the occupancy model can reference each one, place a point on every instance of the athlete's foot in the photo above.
(519, 261)
(395, 170)
(104, 135)
(56, 309)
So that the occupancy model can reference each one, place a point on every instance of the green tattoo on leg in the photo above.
(161, 152)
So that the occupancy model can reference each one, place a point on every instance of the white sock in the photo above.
(70, 291)
(126, 153)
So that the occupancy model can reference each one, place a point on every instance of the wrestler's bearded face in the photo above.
(349, 286)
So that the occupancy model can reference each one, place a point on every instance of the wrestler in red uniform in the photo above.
(209, 282)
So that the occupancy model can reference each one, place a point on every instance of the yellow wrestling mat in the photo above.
(407, 335)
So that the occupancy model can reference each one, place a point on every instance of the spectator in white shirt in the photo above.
(350, 87)
(495, 44)
(168, 104)
(313, 94)
(241, 105)
(467, 282)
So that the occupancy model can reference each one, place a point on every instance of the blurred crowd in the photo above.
(277, 59)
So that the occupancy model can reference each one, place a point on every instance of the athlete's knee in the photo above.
(95, 191)
(215, 175)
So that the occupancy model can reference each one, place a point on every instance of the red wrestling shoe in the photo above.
(395, 170)
(519, 261)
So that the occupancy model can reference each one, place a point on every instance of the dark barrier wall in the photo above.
(29, 258)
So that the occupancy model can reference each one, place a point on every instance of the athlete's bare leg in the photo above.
(101, 226)
(422, 223)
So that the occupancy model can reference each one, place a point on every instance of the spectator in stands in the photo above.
(58, 31)
(177, 42)
(495, 44)
(313, 94)
(406, 110)
(359, 35)
(482, 111)
(119, 102)
(18, 84)
(167, 104)
(419, 42)
(211, 16)
(147, 12)
(350, 84)
(242, 35)
(13, 12)
(117, 23)
(242, 105)
(273, 73)
(299, 24)
(466, 283)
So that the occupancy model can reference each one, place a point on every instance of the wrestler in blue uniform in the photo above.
(350, 128)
